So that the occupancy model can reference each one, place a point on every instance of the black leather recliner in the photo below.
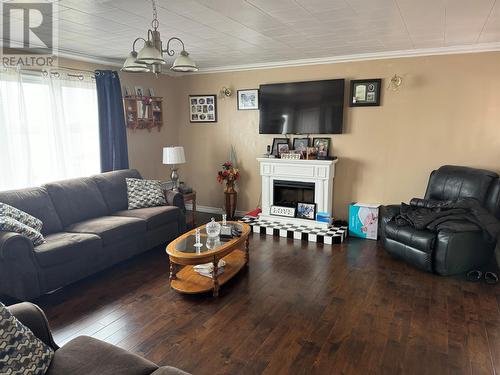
(462, 246)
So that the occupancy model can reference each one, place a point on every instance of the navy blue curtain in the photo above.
(112, 131)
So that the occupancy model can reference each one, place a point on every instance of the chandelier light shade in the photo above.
(133, 66)
(184, 63)
(150, 57)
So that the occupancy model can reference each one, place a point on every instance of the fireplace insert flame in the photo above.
(289, 193)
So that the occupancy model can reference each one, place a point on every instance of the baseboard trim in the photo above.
(213, 210)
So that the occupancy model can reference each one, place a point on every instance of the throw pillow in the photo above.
(144, 193)
(9, 224)
(22, 352)
(21, 216)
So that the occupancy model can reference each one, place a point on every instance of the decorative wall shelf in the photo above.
(143, 112)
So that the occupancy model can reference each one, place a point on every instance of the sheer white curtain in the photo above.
(48, 128)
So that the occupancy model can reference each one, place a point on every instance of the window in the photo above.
(48, 129)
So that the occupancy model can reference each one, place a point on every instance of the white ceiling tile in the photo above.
(254, 31)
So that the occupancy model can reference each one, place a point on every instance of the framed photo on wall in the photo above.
(202, 108)
(365, 92)
(248, 99)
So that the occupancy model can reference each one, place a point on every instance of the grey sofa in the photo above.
(87, 228)
(85, 355)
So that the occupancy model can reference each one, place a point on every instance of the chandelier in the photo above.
(150, 57)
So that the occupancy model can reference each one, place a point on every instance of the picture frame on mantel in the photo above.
(276, 141)
(202, 108)
(365, 92)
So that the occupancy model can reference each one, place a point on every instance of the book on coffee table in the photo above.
(207, 269)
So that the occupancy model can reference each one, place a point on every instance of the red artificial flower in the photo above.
(228, 173)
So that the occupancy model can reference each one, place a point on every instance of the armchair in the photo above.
(86, 355)
(461, 246)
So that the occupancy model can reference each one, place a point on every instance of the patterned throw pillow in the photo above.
(144, 193)
(21, 216)
(9, 224)
(22, 353)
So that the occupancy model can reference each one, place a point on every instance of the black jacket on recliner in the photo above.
(462, 246)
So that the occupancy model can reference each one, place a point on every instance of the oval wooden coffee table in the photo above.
(183, 253)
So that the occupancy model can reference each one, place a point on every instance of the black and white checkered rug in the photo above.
(332, 235)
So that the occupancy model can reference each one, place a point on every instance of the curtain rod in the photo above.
(54, 68)
(79, 73)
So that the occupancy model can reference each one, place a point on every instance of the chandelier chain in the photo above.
(155, 23)
(150, 57)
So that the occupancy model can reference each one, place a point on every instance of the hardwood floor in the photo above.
(299, 309)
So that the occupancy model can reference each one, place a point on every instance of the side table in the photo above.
(191, 197)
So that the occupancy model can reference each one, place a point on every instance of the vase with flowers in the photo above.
(229, 175)
(146, 103)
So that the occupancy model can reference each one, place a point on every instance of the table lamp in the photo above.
(173, 156)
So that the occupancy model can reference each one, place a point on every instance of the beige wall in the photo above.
(448, 111)
(145, 148)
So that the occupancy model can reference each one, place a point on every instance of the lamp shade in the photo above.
(184, 63)
(173, 155)
(133, 66)
(150, 55)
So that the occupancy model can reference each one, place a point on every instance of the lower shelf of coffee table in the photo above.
(190, 282)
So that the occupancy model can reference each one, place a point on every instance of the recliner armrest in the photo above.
(386, 214)
(34, 318)
(168, 370)
(175, 198)
(14, 246)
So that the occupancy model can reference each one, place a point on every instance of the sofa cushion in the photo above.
(111, 229)
(155, 216)
(76, 200)
(21, 216)
(422, 240)
(113, 187)
(88, 356)
(63, 247)
(9, 224)
(21, 351)
(144, 193)
(36, 202)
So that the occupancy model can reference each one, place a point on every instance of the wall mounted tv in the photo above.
(314, 107)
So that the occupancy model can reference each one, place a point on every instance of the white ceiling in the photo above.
(220, 33)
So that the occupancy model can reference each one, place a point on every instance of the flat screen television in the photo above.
(314, 107)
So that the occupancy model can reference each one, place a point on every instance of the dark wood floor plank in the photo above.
(300, 308)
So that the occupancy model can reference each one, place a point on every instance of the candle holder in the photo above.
(197, 239)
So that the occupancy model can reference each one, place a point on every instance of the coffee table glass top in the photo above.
(186, 244)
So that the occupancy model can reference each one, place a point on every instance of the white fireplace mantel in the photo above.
(319, 172)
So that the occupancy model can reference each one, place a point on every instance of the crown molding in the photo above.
(475, 48)
(72, 55)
